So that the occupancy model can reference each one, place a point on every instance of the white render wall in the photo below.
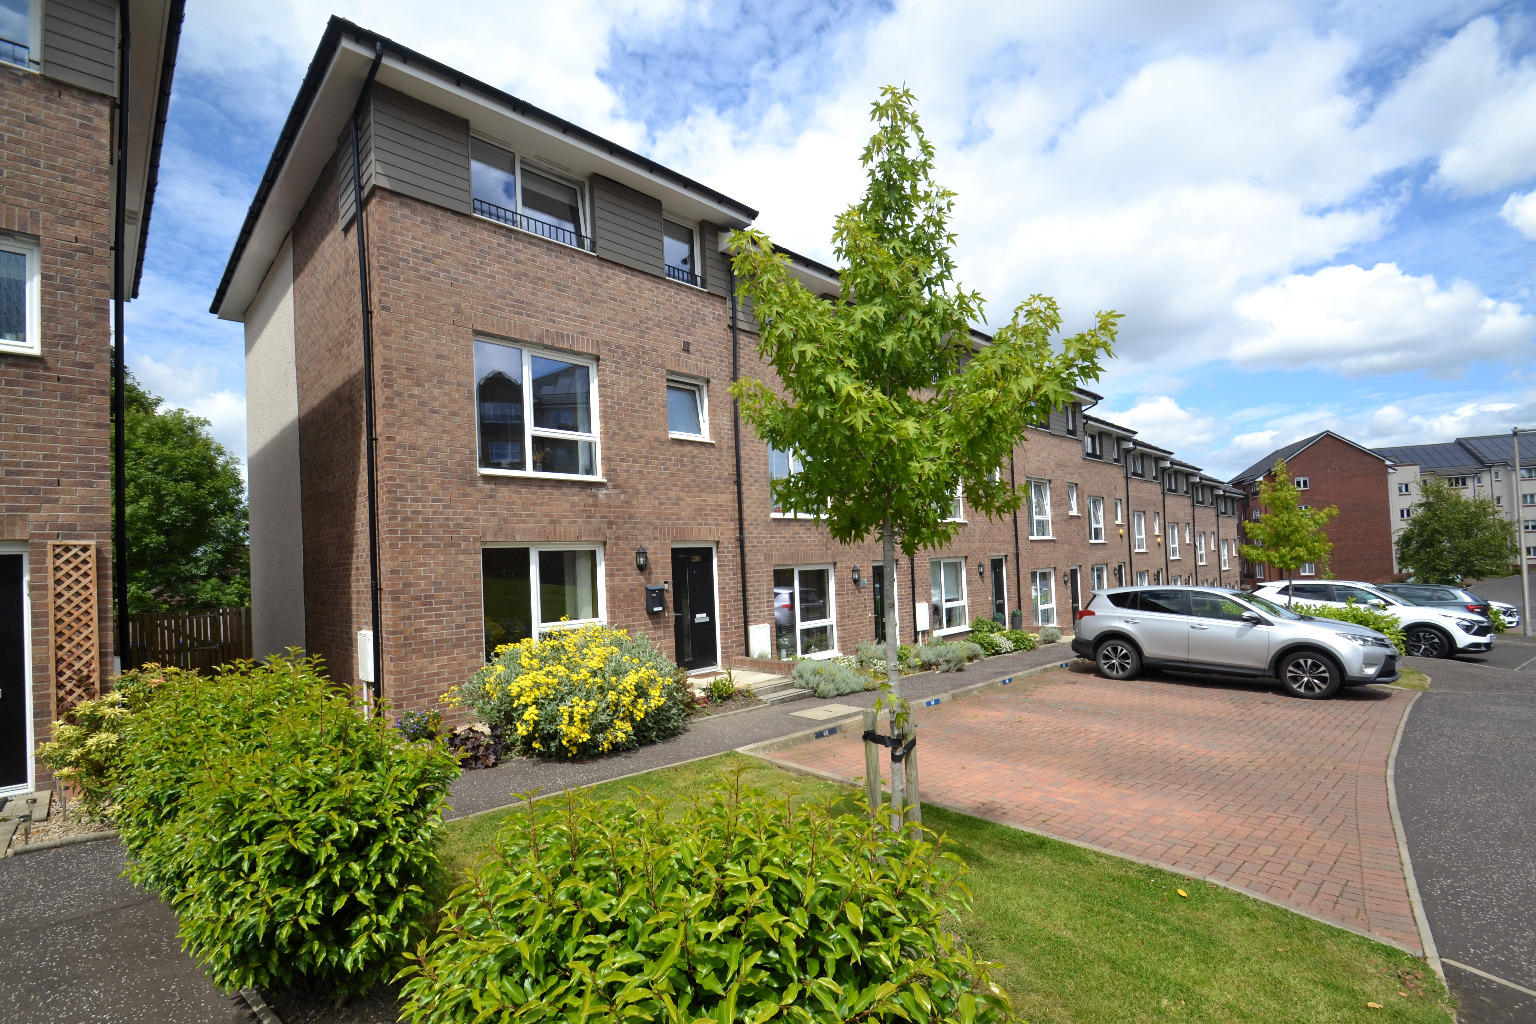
(272, 439)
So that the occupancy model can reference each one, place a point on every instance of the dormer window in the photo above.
(679, 244)
(505, 190)
(1093, 445)
(19, 32)
(1071, 412)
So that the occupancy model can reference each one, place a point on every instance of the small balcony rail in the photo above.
(536, 225)
(684, 275)
(15, 53)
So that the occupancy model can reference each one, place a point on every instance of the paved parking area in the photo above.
(1233, 781)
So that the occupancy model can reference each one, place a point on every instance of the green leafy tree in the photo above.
(889, 401)
(1286, 535)
(1452, 537)
(187, 518)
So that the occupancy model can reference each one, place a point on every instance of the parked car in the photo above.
(1209, 629)
(1432, 595)
(1510, 613)
(1427, 632)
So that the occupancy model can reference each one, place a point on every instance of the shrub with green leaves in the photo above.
(1022, 640)
(948, 656)
(294, 838)
(1361, 615)
(748, 908)
(1049, 635)
(832, 677)
(1497, 618)
(984, 626)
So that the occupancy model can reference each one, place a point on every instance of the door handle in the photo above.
(1194, 626)
(1132, 622)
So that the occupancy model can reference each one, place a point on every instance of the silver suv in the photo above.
(1215, 630)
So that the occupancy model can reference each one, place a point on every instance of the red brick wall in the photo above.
(55, 477)
(1354, 481)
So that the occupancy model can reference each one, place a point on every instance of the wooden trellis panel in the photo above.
(72, 615)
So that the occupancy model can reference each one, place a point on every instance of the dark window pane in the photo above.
(506, 597)
(678, 245)
(815, 640)
(1166, 602)
(553, 202)
(1312, 592)
(683, 410)
(1349, 593)
(784, 613)
(813, 595)
(1215, 606)
(561, 455)
(1126, 600)
(567, 585)
(13, 296)
(562, 395)
(499, 398)
(492, 180)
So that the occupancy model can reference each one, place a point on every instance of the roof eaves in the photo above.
(176, 14)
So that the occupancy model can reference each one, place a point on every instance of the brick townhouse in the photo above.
(550, 337)
(61, 90)
(1329, 469)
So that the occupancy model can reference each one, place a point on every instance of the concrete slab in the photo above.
(826, 711)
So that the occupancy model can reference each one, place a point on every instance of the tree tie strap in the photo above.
(899, 751)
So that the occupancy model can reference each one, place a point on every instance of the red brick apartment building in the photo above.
(550, 338)
(1331, 470)
(77, 179)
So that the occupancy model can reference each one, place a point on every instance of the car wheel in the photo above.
(1427, 642)
(1310, 676)
(1117, 659)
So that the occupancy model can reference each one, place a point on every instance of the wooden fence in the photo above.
(199, 640)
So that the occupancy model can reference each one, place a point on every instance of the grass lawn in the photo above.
(1086, 937)
(1412, 679)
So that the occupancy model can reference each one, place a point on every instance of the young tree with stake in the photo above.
(889, 403)
(1286, 535)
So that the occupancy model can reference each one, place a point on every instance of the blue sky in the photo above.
(1310, 215)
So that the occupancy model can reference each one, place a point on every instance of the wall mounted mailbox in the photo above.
(655, 600)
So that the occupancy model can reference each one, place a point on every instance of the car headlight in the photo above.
(1367, 641)
(1468, 625)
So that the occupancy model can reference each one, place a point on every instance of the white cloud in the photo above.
(192, 386)
(1160, 420)
(1520, 211)
(1354, 321)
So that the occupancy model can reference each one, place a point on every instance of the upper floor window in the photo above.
(1224, 555)
(1071, 412)
(781, 466)
(957, 508)
(1139, 530)
(1039, 509)
(1200, 549)
(1402, 488)
(1072, 499)
(1303, 483)
(20, 305)
(1096, 520)
(1528, 499)
(680, 247)
(1497, 475)
(1138, 465)
(1093, 445)
(504, 189)
(1157, 524)
(1405, 513)
(1119, 512)
(1456, 481)
(1112, 447)
(1528, 472)
(687, 409)
(560, 437)
(1173, 541)
(19, 32)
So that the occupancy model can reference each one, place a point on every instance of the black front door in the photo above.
(877, 579)
(13, 675)
(693, 606)
(1000, 591)
(1077, 591)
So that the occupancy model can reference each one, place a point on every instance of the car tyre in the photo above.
(1427, 642)
(1310, 675)
(1117, 659)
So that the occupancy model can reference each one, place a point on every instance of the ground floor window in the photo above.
(804, 613)
(1042, 595)
(529, 590)
(1100, 576)
(947, 576)
(1141, 578)
(1308, 569)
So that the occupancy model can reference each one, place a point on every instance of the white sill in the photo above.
(14, 349)
(667, 277)
(951, 630)
(1048, 537)
(1098, 541)
(545, 628)
(794, 515)
(696, 438)
(529, 474)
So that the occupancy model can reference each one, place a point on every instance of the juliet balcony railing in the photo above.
(684, 275)
(537, 225)
(12, 52)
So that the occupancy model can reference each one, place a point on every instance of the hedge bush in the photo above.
(832, 677)
(294, 838)
(1049, 635)
(579, 692)
(1022, 640)
(1360, 615)
(748, 908)
(1497, 618)
(871, 657)
(948, 656)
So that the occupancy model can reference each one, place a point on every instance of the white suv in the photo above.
(1427, 632)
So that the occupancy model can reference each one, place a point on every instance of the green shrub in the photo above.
(991, 643)
(1497, 618)
(1049, 634)
(832, 677)
(984, 626)
(294, 838)
(722, 687)
(87, 749)
(420, 725)
(1360, 615)
(747, 908)
(1021, 639)
(946, 656)
(579, 692)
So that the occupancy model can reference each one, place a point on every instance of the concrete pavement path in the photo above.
(1468, 809)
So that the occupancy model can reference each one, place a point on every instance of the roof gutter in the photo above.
(177, 12)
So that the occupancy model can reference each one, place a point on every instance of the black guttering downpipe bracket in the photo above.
(119, 359)
(741, 517)
(174, 17)
(368, 421)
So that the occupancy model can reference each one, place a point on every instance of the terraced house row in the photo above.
(488, 361)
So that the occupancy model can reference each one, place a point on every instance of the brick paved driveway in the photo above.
(1281, 797)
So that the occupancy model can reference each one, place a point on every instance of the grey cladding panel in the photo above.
(344, 184)
(420, 151)
(80, 44)
(626, 226)
(1058, 423)
(717, 271)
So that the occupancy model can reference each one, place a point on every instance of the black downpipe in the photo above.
(912, 582)
(1018, 552)
(1194, 524)
(368, 424)
(1167, 526)
(1128, 520)
(119, 360)
(741, 516)
(1221, 576)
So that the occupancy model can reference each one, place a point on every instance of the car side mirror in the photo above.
(1252, 617)
(1378, 604)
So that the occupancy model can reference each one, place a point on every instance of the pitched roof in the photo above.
(1441, 456)
(1290, 451)
(1493, 449)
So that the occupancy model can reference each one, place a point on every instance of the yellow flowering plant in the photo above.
(578, 691)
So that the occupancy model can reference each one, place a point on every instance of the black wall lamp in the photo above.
(642, 559)
(981, 569)
(856, 577)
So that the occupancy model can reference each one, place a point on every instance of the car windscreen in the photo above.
(1269, 607)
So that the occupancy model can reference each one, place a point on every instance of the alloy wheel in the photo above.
(1115, 660)
(1308, 675)
(1424, 643)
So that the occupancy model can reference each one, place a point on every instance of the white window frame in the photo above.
(34, 40)
(774, 511)
(701, 390)
(1157, 524)
(1258, 571)
(1119, 512)
(1036, 520)
(1138, 531)
(1096, 521)
(1098, 577)
(28, 592)
(831, 621)
(1043, 612)
(1497, 476)
(957, 510)
(1403, 488)
(1143, 578)
(1528, 499)
(1224, 545)
(530, 431)
(1307, 569)
(945, 603)
(32, 343)
(1072, 499)
(1200, 548)
(536, 613)
(1303, 483)
(1173, 543)
(1405, 513)
(698, 255)
(583, 197)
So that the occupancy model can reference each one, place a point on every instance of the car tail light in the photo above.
(1085, 613)
(1479, 608)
